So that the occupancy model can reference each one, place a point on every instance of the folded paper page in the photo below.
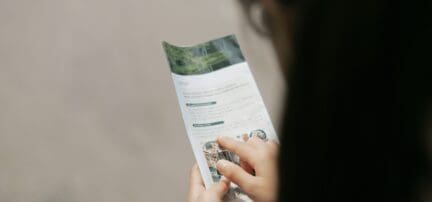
(218, 96)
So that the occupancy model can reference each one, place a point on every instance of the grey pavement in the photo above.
(88, 111)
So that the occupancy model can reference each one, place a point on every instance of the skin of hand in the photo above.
(256, 175)
(258, 155)
(198, 192)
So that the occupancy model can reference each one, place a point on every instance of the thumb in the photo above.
(220, 189)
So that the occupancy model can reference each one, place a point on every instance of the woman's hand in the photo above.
(198, 192)
(257, 175)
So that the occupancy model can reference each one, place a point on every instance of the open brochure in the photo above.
(217, 96)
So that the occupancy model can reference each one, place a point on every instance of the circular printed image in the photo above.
(258, 133)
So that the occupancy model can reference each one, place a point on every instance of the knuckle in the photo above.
(263, 154)
(255, 140)
(275, 150)
(236, 149)
(272, 152)
(269, 151)
(249, 187)
(240, 149)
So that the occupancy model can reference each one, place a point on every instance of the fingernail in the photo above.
(220, 138)
(221, 163)
(226, 183)
(225, 180)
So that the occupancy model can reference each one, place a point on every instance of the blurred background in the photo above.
(88, 111)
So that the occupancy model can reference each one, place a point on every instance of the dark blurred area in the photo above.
(358, 109)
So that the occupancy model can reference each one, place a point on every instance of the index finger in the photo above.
(243, 150)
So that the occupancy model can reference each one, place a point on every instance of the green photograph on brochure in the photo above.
(204, 58)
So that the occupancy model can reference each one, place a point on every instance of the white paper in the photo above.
(218, 96)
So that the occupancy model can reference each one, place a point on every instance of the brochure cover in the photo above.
(218, 96)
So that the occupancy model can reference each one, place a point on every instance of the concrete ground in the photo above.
(88, 111)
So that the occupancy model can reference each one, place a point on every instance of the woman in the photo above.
(359, 113)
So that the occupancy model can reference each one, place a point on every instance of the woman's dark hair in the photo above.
(359, 97)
